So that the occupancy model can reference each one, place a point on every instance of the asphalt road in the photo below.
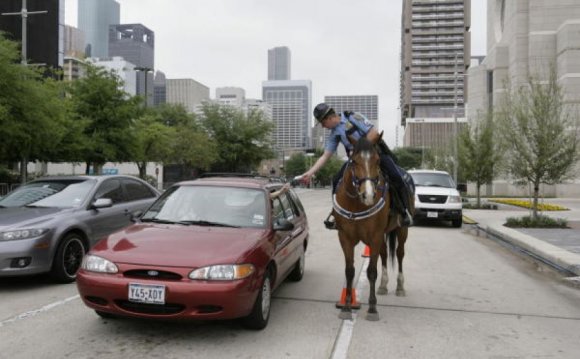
(467, 297)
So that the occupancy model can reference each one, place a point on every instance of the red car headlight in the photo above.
(222, 272)
(98, 264)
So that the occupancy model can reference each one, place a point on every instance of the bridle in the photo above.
(357, 182)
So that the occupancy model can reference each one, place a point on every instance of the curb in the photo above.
(555, 256)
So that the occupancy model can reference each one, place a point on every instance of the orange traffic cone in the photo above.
(367, 252)
(355, 304)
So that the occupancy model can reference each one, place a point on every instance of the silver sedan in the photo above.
(47, 225)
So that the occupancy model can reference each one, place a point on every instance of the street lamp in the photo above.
(455, 108)
(146, 70)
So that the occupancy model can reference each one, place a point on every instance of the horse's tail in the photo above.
(392, 246)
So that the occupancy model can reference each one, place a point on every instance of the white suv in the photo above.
(436, 197)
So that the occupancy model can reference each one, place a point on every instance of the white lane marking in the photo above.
(32, 313)
(340, 350)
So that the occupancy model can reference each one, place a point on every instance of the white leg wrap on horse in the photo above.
(384, 280)
(384, 277)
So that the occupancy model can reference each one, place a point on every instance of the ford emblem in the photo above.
(153, 273)
(432, 199)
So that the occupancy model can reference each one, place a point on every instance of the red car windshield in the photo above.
(210, 205)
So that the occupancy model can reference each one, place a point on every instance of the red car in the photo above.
(213, 248)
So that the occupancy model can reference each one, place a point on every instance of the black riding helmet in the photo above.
(321, 111)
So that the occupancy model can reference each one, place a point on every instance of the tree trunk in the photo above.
(535, 204)
(88, 167)
(478, 194)
(97, 168)
(23, 169)
(142, 169)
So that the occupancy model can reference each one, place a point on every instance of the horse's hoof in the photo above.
(401, 293)
(382, 291)
(372, 317)
(345, 316)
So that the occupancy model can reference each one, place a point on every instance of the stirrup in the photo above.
(329, 223)
(406, 219)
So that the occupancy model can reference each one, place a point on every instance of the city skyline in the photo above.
(343, 47)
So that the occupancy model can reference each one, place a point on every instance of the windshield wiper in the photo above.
(157, 220)
(207, 223)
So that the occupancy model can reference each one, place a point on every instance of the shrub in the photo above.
(540, 222)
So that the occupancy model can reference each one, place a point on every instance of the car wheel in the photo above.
(68, 258)
(258, 318)
(298, 271)
(105, 315)
(457, 223)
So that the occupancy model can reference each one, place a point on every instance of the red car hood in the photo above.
(178, 246)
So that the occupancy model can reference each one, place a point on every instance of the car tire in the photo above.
(457, 223)
(68, 257)
(298, 271)
(258, 318)
(105, 315)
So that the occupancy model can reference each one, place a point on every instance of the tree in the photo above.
(478, 153)
(32, 110)
(441, 158)
(296, 165)
(539, 133)
(409, 157)
(327, 172)
(244, 140)
(152, 141)
(108, 114)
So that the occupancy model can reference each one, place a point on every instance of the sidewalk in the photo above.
(557, 247)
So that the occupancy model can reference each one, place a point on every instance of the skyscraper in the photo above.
(291, 102)
(435, 56)
(74, 42)
(94, 18)
(159, 89)
(188, 92)
(45, 31)
(279, 63)
(136, 44)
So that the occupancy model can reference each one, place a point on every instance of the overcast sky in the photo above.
(345, 47)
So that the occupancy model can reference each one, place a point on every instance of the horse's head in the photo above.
(364, 165)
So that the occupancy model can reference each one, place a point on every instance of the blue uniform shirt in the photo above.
(356, 125)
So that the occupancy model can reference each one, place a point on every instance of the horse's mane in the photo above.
(363, 145)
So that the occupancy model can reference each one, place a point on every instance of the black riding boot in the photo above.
(329, 222)
(403, 194)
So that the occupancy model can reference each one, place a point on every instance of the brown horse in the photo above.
(361, 208)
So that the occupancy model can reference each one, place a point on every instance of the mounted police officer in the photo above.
(354, 126)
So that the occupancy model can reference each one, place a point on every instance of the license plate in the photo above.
(432, 214)
(145, 293)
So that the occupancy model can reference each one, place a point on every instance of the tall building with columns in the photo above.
(527, 38)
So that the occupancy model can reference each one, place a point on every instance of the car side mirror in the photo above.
(102, 203)
(283, 224)
(462, 187)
